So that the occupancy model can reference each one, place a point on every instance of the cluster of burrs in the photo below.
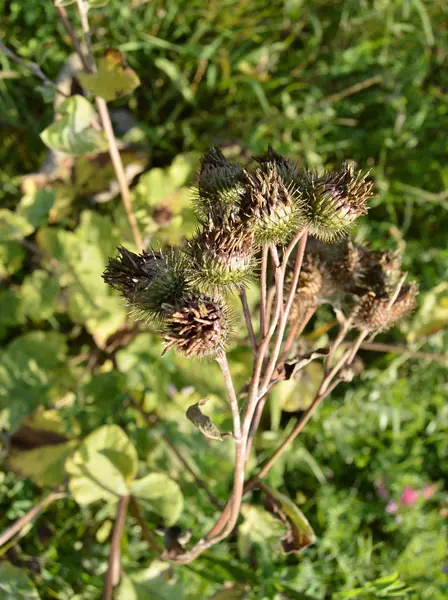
(184, 290)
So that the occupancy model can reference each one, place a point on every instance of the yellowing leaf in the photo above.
(72, 133)
(45, 465)
(113, 79)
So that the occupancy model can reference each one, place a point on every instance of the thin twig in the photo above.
(108, 130)
(29, 517)
(221, 359)
(112, 577)
(374, 347)
(147, 534)
(248, 319)
(83, 9)
(32, 68)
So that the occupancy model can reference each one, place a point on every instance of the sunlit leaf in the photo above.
(72, 133)
(36, 207)
(162, 495)
(38, 293)
(150, 584)
(113, 78)
(12, 255)
(15, 584)
(13, 226)
(103, 466)
(258, 527)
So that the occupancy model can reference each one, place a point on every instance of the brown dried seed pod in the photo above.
(376, 313)
(311, 287)
(198, 327)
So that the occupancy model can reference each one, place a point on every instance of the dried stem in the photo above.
(106, 122)
(263, 290)
(374, 347)
(248, 319)
(31, 67)
(29, 517)
(83, 9)
(221, 359)
(112, 577)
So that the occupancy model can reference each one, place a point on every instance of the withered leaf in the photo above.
(113, 78)
(203, 423)
(299, 533)
(293, 367)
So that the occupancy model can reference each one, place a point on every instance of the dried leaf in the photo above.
(299, 533)
(113, 78)
(300, 362)
(203, 423)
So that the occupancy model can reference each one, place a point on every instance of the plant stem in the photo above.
(29, 517)
(32, 67)
(374, 347)
(248, 319)
(83, 9)
(105, 120)
(221, 359)
(112, 577)
(263, 291)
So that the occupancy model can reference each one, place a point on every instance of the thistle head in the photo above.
(131, 273)
(272, 205)
(196, 327)
(221, 257)
(378, 313)
(286, 168)
(220, 185)
(311, 287)
(333, 201)
(149, 279)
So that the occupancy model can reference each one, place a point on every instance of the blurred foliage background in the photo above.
(322, 81)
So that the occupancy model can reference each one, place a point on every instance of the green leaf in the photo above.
(15, 584)
(163, 496)
(64, 2)
(35, 207)
(150, 584)
(258, 527)
(38, 293)
(11, 309)
(178, 78)
(12, 255)
(203, 422)
(45, 466)
(299, 533)
(98, 3)
(13, 226)
(103, 466)
(73, 134)
(113, 78)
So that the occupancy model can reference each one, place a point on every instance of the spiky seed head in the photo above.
(220, 185)
(149, 279)
(221, 257)
(286, 168)
(272, 207)
(334, 200)
(376, 313)
(196, 327)
(311, 286)
(131, 273)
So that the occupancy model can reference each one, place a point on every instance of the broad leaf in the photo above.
(12, 255)
(113, 78)
(162, 495)
(38, 293)
(258, 527)
(45, 466)
(103, 466)
(150, 584)
(15, 584)
(72, 133)
(299, 533)
(35, 207)
(13, 226)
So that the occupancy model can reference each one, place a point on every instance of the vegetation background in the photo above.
(322, 81)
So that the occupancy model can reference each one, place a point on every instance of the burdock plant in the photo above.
(275, 224)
